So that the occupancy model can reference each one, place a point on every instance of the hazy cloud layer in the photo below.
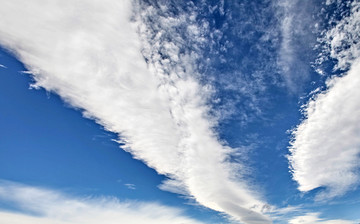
(299, 29)
(42, 206)
(93, 57)
(326, 146)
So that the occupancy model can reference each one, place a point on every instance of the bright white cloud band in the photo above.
(43, 206)
(89, 53)
(326, 146)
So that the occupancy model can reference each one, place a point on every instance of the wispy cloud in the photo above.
(298, 37)
(313, 218)
(38, 205)
(281, 214)
(130, 186)
(90, 54)
(326, 146)
(342, 42)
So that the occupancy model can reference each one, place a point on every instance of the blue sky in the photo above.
(173, 112)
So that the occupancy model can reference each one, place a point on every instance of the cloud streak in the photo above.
(38, 205)
(298, 37)
(90, 54)
(326, 145)
(313, 218)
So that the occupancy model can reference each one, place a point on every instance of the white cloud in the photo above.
(298, 38)
(287, 54)
(131, 186)
(313, 218)
(299, 215)
(37, 205)
(280, 214)
(342, 41)
(89, 53)
(326, 146)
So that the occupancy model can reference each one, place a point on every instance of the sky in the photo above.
(179, 112)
